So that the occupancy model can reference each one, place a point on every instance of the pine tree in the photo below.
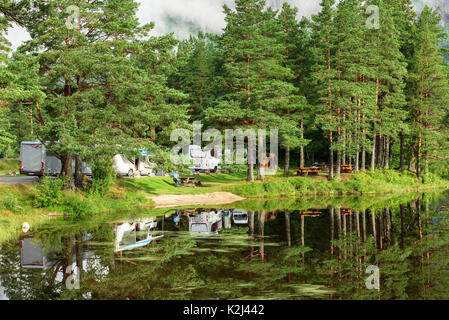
(294, 107)
(105, 81)
(429, 102)
(254, 78)
(323, 73)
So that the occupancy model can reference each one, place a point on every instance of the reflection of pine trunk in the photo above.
(357, 223)
(364, 225)
(332, 244)
(251, 231)
(287, 229)
(402, 208)
(373, 221)
(262, 234)
(332, 230)
(67, 256)
(79, 254)
(302, 237)
(381, 229)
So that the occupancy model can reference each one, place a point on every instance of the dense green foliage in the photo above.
(341, 87)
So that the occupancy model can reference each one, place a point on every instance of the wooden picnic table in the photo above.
(346, 169)
(312, 171)
(189, 182)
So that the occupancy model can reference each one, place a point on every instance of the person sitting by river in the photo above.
(176, 178)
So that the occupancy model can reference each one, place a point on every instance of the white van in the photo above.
(36, 160)
(122, 166)
(203, 161)
(240, 216)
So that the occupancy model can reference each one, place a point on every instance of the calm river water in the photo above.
(314, 248)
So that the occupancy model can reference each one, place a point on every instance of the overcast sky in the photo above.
(183, 16)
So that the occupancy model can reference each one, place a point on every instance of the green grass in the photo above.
(379, 182)
(9, 165)
(165, 185)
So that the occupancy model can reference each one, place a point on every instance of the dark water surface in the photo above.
(279, 249)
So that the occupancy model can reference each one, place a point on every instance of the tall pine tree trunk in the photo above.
(78, 172)
(301, 156)
(373, 154)
(402, 156)
(331, 157)
(387, 154)
(261, 158)
(67, 171)
(287, 160)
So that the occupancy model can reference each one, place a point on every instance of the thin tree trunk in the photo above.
(287, 160)
(302, 156)
(373, 155)
(402, 156)
(261, 158)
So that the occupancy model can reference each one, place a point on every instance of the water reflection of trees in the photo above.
(293, 254)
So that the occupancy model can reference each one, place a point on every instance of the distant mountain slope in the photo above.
(185, 17)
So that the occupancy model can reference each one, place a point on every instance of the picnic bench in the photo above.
(346, 169)
(190, 182)
(346, 212)
(312, 171)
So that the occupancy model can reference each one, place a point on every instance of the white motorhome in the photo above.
(203, 161)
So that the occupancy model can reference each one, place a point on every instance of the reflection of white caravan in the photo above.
(32, 255)
(207, 223)
(128, 238)
(240, 216)
(203, 161)
(36, 160)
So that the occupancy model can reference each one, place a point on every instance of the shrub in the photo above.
(102, 176)
(9, 202)
(48, 193)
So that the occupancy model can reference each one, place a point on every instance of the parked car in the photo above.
(122, 166)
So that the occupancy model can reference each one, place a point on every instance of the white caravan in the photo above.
(123, 166)
(203, 161)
